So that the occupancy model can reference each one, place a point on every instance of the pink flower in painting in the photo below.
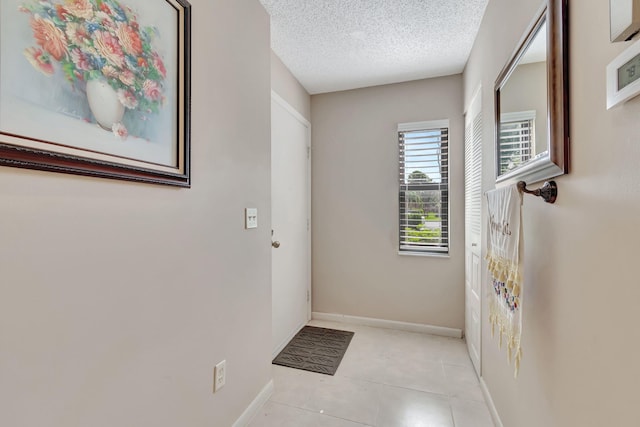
(120, 131)
(105, 20)
(152, 90)
(76, 33)
(80, 60)
(80, 8)
(129, 39)
(50, 37)
(157, 62)
(127, 99)
(109, 48)
(127, 77)
(109, 72)
(39, 60)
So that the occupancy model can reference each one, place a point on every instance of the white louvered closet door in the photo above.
(473, 230)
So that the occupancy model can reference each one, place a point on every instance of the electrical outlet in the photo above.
(219, 375)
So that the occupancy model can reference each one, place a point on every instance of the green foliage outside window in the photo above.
(425, 235)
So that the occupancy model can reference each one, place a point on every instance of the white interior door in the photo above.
(473, 228)
(290, 216)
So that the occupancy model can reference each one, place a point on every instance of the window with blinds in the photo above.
(516, 139)
(424, 187)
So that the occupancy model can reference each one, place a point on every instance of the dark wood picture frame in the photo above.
(24, 150)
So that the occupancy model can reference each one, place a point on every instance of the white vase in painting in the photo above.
(104, 103)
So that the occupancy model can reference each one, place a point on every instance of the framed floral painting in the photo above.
(96, 87)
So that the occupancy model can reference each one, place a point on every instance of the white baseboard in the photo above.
(492, 407)
(389, 324)
(255, 406)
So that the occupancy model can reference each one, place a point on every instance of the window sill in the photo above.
(424, 254)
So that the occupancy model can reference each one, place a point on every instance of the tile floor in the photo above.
(387, 378)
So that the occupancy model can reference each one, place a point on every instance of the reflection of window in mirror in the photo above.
(523, 97)
(517, 139)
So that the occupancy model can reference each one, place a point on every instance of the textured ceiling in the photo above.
(332, 45)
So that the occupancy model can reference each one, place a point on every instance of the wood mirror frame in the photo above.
(555, 160)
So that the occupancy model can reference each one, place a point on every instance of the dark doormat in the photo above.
(315, 349)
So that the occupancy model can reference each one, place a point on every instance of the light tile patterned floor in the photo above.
(387, 379)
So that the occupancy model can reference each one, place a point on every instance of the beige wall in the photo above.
(117, 299)
(580, 341)
(288, 88)
(356, 266)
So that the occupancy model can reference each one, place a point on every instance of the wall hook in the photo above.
(549, 191)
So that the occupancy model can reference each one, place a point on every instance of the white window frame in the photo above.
(443, 186)
(518, 117)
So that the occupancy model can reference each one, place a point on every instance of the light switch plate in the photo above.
(219, 376)
(251, 218)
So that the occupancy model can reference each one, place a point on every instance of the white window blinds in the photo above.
(424, 186)
(516, 139)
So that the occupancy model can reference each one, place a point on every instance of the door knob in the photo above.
(275, 244)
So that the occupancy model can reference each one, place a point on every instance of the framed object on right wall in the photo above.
(623, 76)
(532, 101)
(624, 19)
